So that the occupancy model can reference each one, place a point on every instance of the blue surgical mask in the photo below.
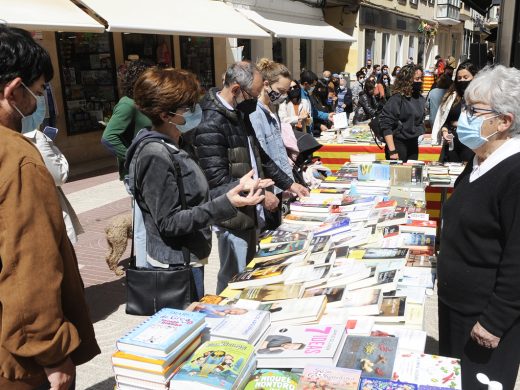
(469, 131)
(33, 121)
(192, 119)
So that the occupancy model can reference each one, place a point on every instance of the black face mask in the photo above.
(295, 93)
(247, 106)
(460, 87)
(417, 87)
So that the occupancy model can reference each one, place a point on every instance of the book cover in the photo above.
(378, 254)
(258, 276)
(281, 250)
(273, 292)
(212, 299)
(218, 363)
(410, 340)
(160, 333)
(392, 309)
(296, 346)
(306, 220)
(274, 237)
(365, 301)
(333, 294)
(359, 325)
(374, 356)
(266, 379)
(333, 378)
(368, 172)
(392, 218)
(385, 384)
(232, 322)
(293, 311)
(428, 370)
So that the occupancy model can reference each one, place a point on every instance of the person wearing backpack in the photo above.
(402, 118)
(368, 105)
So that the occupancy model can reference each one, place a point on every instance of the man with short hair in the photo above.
(227, 148)
(45, 328)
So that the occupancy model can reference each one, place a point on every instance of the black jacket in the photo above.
(153, 181)
(367, 107)
(222, 148)
(403, 116)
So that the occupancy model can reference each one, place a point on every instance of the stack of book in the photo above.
(148, 355)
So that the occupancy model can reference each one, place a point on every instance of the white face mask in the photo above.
(35, 119)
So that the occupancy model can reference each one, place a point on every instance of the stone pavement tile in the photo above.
(78, 185)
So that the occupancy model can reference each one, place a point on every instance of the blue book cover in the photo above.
(385, 384)
(368, 172)
(161, 333)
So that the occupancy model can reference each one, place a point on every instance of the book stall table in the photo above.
(334, 155)
(334, 298)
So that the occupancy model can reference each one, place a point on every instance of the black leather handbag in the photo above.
(149, 290)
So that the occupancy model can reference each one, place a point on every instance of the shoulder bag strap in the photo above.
(182, 195)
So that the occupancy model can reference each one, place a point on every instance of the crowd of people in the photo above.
(219, 162)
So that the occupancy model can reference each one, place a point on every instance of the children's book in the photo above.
(218, 364)
(374, 356)
(161, 333)
(272, 292)
(428, 370)
(233, 322)
(334, 378)
(267, 379)
(296, 346)
(385, 384)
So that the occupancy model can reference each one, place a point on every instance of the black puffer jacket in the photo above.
(221, 146)
(367, 107)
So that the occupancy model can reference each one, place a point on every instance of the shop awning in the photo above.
(48, 15)
(194, 17)
(283, 26)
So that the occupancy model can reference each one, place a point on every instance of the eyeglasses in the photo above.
(183, 110)
(472, 111)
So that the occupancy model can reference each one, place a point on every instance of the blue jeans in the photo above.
(235, 250)
(198, 276)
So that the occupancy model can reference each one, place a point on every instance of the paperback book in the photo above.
(233, 322)
(259, 276)
(334, 378)
(374, 356)
(297, 346)
(218, 364)
(161, 333)
(267, 379)
(385, 384)
(273, 292)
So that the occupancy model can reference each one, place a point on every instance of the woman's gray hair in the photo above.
(242, 73)
(499, 87)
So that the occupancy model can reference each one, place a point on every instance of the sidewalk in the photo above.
(97, 200)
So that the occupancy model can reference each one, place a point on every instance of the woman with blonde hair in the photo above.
(268, 127)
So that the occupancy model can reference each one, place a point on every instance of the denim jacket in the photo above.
(269, 133)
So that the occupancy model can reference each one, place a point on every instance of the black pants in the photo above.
(499, 364)
(408, 149)
(273, 219)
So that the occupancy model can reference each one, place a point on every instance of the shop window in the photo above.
(197, 56)
(156, 48)
(370, 45)
(246, 48)
(305, 54)
(279, 50)
(88, 79)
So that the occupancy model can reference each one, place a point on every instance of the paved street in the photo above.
(97, 200)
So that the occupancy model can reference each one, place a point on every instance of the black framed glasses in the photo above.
(472, 111)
